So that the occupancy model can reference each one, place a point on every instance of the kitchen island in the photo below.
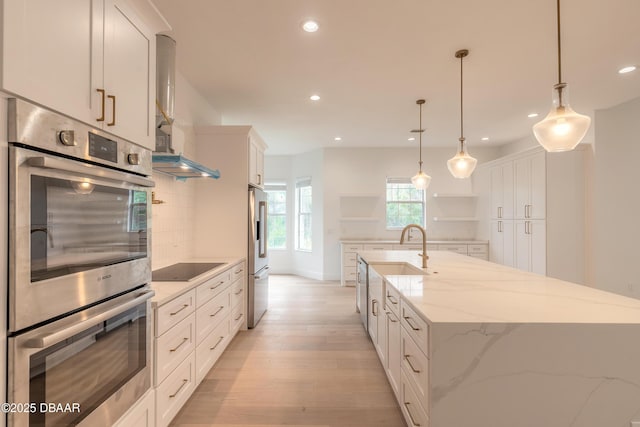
(486, 345)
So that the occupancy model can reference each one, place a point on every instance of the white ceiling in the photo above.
(372, 59)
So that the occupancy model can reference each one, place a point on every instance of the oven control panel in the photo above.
(103, 148)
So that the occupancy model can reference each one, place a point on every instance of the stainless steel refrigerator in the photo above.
(258, 260)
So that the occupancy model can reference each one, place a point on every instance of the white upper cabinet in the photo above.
(530, 184)
(502, 191)
(93, 60)
(256, 160)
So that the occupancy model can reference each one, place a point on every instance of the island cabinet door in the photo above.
(394, 351)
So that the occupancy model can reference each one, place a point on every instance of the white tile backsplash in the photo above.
(172, 232)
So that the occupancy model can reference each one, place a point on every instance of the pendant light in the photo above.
(420, 180)
(563, 128)
(462, 164)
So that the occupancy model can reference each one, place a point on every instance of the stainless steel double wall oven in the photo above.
(79, 267)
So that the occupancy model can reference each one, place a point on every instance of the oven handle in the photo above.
(62, 334)
(85, 169)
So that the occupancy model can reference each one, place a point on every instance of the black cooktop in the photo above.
(183, 271)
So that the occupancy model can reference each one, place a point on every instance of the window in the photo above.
(405, 203)
(276, 215)
(303, 214)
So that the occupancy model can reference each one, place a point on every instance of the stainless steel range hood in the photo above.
(165, 157)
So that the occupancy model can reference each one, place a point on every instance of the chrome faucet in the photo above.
(423, 255)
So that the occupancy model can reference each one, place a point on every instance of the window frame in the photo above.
(272, 188)
(422, 202)
(302, 183)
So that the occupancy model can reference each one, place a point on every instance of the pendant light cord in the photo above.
(559, 44)
(420, 137)
(461, 111)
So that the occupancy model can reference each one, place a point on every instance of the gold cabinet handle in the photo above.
(415, 328)
(238, 293)
(391, 318)
(413, 421)
(184, 340)
(113, 110)
(217, 284)
(217, 343)
(239, 317)
(176, 312)
(406, 357)
(392, 299)
(184, 382)
(217, 311)
(101, 92)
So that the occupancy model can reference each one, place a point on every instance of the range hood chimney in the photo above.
(165, 159)
(165, 91)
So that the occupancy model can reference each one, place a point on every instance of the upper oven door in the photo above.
(79, 233)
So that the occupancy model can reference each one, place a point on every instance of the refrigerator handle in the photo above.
(262, 224)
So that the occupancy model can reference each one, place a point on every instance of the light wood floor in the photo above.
(308, 363)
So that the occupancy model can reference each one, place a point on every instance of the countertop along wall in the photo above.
(4, 209)
(172, 225)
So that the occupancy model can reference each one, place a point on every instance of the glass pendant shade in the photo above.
(563, 128)
(421, 180)
(462, 164)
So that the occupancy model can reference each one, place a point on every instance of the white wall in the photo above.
(616, 200)
(172, 228)
(339, 171)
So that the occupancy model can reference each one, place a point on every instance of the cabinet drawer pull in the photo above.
(373, 307)
(239, 292)
(415, 328)
(406, 357)
(391, 319)
(239, 317)
(176, 312)
(184, 340)
(217, 311)
(217, 284)
(113, 110)
(101, 118)
(238, 271)
(184, 382)
(392, 299)
(217, 343)
(413, 421)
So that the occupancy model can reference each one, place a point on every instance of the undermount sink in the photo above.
(401, 268)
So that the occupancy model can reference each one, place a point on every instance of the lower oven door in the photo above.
(84, 369)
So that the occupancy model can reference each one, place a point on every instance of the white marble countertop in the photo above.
(166, 291)
(458, 289)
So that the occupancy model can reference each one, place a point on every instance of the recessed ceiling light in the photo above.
(532, 115)
(485, 138)
(204, 174)
(626, 70)
(310, 26)
(337, 138)
(412, 139)
(185, 167)
(314, 97)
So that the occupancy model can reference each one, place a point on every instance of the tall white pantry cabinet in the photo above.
(536, 215)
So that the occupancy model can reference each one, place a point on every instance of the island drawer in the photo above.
(212, 287)
(412, 407)
(416, 327)
(174, 311)
(392, 299)
(210, 315)
(415, 365)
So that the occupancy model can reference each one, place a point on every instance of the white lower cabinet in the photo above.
(191, 332)
(175, 390)
(141, 414)
(414, 412)
(394, 351)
